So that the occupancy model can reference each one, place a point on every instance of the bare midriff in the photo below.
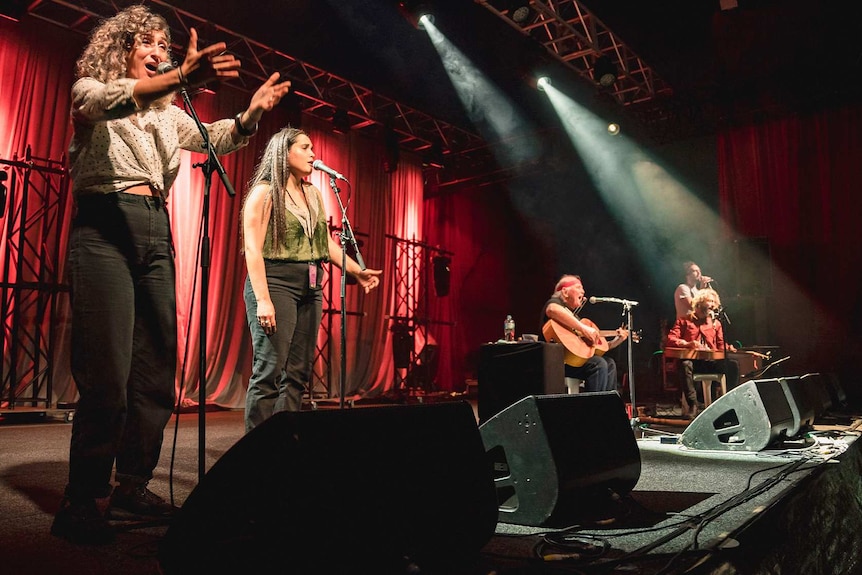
(141, 190)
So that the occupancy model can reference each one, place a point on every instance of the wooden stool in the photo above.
(706, 380)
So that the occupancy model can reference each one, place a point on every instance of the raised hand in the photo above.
(209, 64)
(269, 94)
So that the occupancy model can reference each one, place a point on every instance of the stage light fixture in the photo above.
(424, 19)
(520, 11)
(340, 121)
(417, 13)
(543, 83)
(441, 275)
(613, 129)
(604, 71)
(433, 157)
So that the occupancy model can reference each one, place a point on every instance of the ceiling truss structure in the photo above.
(576, 37)
(318, 92)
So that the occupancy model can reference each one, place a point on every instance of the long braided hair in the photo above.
(274, 170)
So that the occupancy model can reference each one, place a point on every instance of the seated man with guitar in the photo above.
(583, 341)
(698, 339)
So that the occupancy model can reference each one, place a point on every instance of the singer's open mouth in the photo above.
(152, 67)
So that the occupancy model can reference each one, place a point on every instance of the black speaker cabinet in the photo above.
(511, 371)
(746, 418)
(554, 454)
(340, 491)
(805, 403)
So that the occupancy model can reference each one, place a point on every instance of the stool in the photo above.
(573, 385)
(706, 380)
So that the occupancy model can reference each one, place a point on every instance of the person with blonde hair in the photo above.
(286, 241)
(701, 330)
(124, 156)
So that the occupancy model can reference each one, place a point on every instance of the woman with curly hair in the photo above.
(286, 242)
(701, 330)
(124, 157)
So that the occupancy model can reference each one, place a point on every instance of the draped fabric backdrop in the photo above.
(795, 182)
(790, 183)
(36, 74)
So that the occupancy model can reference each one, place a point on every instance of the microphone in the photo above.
(164, 67)
(319, 165)
(594, 299)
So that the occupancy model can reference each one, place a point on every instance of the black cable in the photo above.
(184, 365)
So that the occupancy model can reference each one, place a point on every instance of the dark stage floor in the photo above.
(690, 511)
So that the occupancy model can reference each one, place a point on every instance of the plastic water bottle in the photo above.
(509, 329)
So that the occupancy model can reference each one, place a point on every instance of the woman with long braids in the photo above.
(286, 242)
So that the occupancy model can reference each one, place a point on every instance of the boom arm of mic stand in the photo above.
(346, 229)
(213, 163)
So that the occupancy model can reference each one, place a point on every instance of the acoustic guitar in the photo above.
(578, 351)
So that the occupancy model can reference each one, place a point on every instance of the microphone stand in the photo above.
(722, 316)
(346, 236)
(210, 165)
(627, 311)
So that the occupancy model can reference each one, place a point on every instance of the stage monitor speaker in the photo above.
(554, 455)
(746, 418)
(511, 371)
(804, 403)
(340, 491)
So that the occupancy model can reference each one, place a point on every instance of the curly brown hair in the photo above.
(105, 56)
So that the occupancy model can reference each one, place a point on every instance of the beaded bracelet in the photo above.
(242, 130)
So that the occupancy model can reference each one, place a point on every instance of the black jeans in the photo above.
(124, 339)
(282, 361)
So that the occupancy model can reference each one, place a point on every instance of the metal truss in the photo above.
(576, 37)
(319, 93)
(413, 268)
(31, 282)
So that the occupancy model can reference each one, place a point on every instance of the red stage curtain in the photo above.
(36, 73)
(794, 181)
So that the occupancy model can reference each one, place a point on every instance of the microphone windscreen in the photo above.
(164, 67)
